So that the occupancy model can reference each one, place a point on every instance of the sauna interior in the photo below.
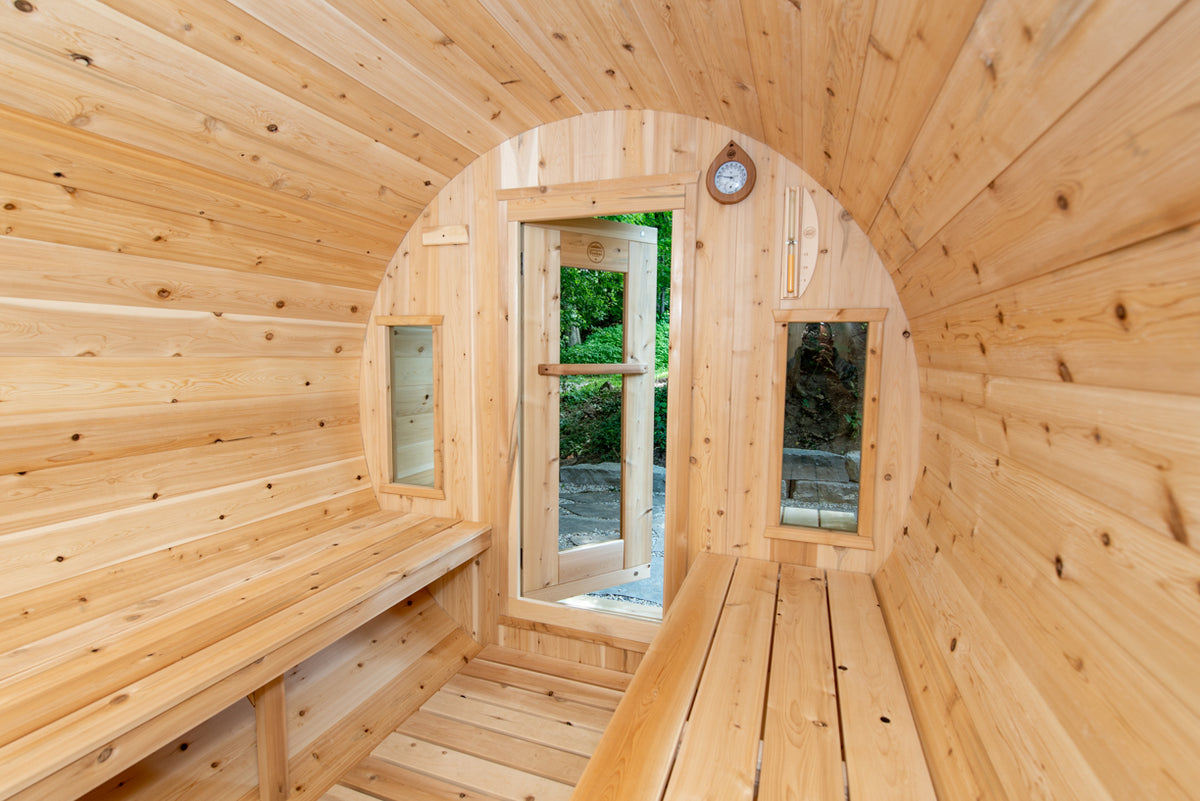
(218, 581)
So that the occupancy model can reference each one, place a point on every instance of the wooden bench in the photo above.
(135, 659)
(752, 652)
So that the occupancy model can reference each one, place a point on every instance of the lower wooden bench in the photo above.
(753, 652)
(81, 704)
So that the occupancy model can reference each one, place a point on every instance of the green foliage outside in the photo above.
(604, 346)
(590, 407)
(592, 299)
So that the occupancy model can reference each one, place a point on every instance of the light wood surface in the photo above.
(270, 735)
(1026, 170)
(635, 756)
(199, 625)
(804, 674)
(718, 753)
(884, 758)
(801, 755)
(449, 752)
(388, 663)
(593, 369)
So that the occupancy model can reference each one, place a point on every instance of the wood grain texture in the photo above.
(1064, 193)
(277, 634)
(1022, 66)
(270, 735)
(719, 749)
(801, 732)
(883, 753)
(289, 128)
(634, 759)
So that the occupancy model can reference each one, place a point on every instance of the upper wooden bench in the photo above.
(752, 652)
(93, 683)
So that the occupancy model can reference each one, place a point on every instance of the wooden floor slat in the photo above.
(543, 683)
(753, 655)
(540, 760)
(469, 771)
(495, 731)
(518, 724)
(551, 707)
(382, 779)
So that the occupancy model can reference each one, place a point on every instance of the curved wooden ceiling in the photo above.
(345, 117)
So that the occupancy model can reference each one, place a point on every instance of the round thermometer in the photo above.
(731, 175)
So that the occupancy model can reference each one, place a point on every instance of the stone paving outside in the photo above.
(590, 494)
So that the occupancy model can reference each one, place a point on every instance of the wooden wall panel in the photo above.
(911, 47)
(735, 279)
(1093, 323)
(183, 303)
(1027, 172)
(62, 273)
(1050, 559)
(1079, 191)
(1023, 65)
(833, 50)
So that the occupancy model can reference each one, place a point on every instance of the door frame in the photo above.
(549, 573)
(677, 193)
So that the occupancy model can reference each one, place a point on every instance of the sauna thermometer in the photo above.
(731, 175)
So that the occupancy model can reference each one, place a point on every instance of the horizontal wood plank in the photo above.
(37, 385)
(539, 760)
(51, 272)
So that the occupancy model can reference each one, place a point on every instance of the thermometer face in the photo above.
(731, 176)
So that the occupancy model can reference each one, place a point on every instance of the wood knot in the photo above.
(24, 6)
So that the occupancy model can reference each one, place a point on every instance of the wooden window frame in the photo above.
(874, 317)
(437, 492)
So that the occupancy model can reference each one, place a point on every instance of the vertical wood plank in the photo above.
(883, 751)
(650, 717)
(637, 404)
(719, 752)
(539, 561)
(270, 728)
(802, 754)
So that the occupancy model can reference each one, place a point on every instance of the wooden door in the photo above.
(548, 573)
